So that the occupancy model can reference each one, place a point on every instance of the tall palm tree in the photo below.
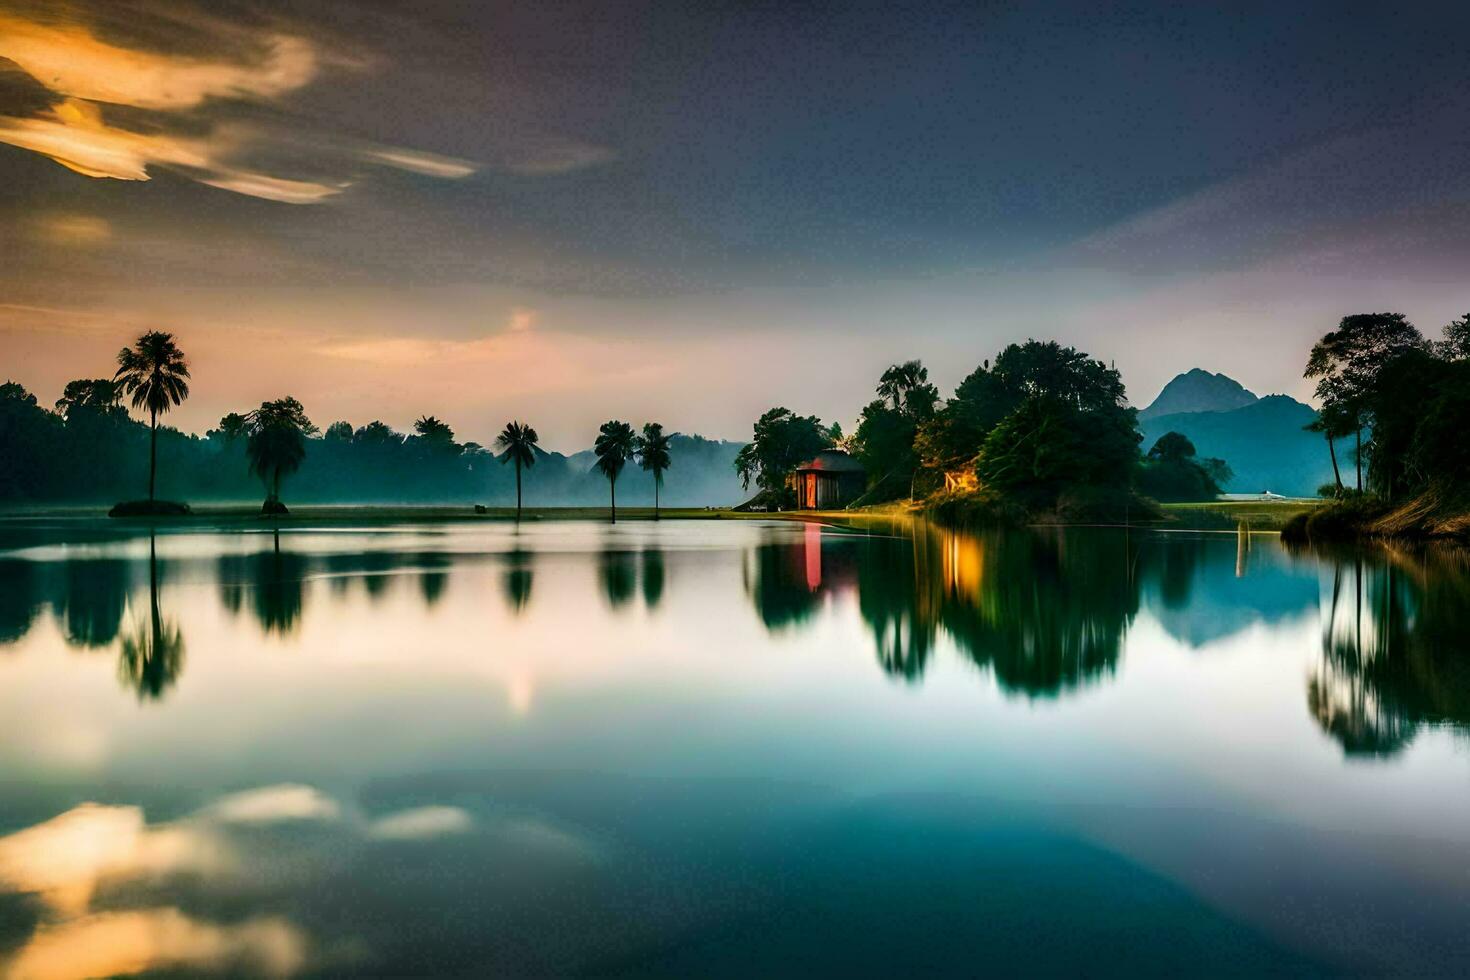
(614, 447)
(154, 372)
(653, 456)
(517, 444)
(900, 380)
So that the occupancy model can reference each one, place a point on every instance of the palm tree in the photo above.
(153, 371)
(899, 380)
(614, 447)
(653, 456)
(277, 445)
(517, 444)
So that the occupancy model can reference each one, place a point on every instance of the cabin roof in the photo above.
(831, 461)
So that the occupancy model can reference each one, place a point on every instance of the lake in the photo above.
(733, 748)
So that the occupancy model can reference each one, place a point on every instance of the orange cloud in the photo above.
(88, 73)
(71, 61)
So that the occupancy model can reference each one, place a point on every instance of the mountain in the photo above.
(1199, 391)
(1263, 442)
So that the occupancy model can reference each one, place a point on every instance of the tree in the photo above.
(94, 397)
(907, 387)
(437, 436)
(1173, 472)
(376, 433)
(782, 440)
(1172, 447)
(233, 426)
(1456, 343)
(155, 373)
(277, 445)
(652, 449)
(340, 432)
(614, 447)
(1346, 363)
(517, 444)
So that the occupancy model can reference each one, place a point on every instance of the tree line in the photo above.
(62, 453)
(1043, 427)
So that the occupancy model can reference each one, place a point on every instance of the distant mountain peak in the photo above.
(1197, 390)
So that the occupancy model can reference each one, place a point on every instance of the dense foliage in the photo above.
(780, 442)
(1173, 471)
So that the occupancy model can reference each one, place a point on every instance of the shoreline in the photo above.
(1265, 516)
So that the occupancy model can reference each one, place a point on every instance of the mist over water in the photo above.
(727, 747)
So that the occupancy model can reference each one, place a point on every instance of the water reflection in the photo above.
(271, 580)
(17, 599)
(617, 575)
(653, 577)
(1044, 611)
(517, 580)
(1395, 648)
(151, 655)
(94, 598)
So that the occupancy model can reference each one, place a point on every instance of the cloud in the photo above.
(164, 96)
(73, 62)
(73, 229)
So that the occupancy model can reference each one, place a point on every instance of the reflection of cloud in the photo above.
(66, 858)
(248, 842)
(270, 804)
(124, 943)
(421, 823)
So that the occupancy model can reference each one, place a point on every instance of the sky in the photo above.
(689, 213)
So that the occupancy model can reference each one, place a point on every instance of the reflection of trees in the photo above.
(518, 578)
(17, 598)
(274, 582)
(653, 577)
(616, 572)
(1394, 644)
(151, 656)
(434, 579)
(96, 595)
(1045, 610)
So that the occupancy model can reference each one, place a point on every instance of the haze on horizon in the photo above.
(690, 213)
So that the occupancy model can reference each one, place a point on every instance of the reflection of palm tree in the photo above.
(653, 577)
(278, 588)
(616, 572)
(652, 449)
(156, 374)
(614, 447)
(517, 444)
(518, 576)
(152, 656)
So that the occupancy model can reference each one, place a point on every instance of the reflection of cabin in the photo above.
(832, 479)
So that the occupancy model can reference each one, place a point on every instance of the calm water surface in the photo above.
(729, 748)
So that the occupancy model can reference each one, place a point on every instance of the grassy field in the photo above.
(1260, 515)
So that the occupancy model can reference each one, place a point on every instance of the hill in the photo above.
(1199, 391)
(1263, 442)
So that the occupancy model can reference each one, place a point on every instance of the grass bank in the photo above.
(1430, 515)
